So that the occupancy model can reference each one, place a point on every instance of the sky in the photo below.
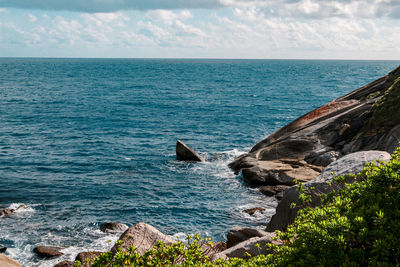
(266, 29)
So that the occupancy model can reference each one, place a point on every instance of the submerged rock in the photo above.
(254, 210)
(8, 262)
(143, 236)
(352, 163)
(7, 211)
(48, 251)
(183, 152)
(3, 249)
(113, 227)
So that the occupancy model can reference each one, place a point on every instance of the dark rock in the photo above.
(249, 246)
(254, 210)
(239, 234)
(183, 152)
(113, 227)
(3, 249)
(143, 237)
(87, 258)
(64, 264)
(273, 190)
(352, 163)
(8, 262)
(48, 251)
(209, 250)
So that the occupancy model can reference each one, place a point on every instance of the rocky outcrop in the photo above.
(87, 258)
(249, 246)
(352, 163)
(365, 119)
(183, 152)
(143, 237)
(48, 251)
(274, 190)
(8, 262)
(113, 227)
(239, 234)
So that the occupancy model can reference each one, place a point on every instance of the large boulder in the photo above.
(64, 264)
(183, 152)
(143, 237)
(113, 227)
(8, 262)
(250, 246)
(352, 163)
(239, 234)
(48, 251)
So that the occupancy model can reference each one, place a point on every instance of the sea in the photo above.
(88, 141)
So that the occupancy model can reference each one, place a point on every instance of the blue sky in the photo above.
(311, 29)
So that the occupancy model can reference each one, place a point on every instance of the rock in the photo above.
(3, 249)
(143, 237)
(48, 251)
(239, 234)
(279, 172)
(6, 212)
(274, 190)
(352, 163)
(254, 210)
(113, 227)
(183, 152)
(348, 124)
(64, 264)
(248, 246)
(210, 251)
(8, 262)
(87, 258)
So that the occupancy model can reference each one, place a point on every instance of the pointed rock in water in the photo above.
(254, 210)
(183, 152)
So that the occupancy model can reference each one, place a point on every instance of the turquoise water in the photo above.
(85, 141)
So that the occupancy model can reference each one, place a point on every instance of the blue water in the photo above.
(85, 141)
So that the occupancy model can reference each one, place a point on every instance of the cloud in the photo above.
(92, 6)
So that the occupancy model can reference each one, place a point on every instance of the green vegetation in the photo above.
(357, 226)
(386, 111)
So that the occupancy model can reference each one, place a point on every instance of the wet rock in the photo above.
(239, 234)
(3, 249)
(6, 212)
(352, 163)
(143, 236)
(87, 258)
(64, 264)
(254, 210)
(8, 262)
(48, 251)
(113, 227)
(249, 246)
(183, 152)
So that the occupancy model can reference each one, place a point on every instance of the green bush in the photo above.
(357, 226)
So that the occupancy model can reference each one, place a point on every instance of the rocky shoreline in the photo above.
(336, 139)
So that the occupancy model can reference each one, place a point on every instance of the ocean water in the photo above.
(87, 141)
